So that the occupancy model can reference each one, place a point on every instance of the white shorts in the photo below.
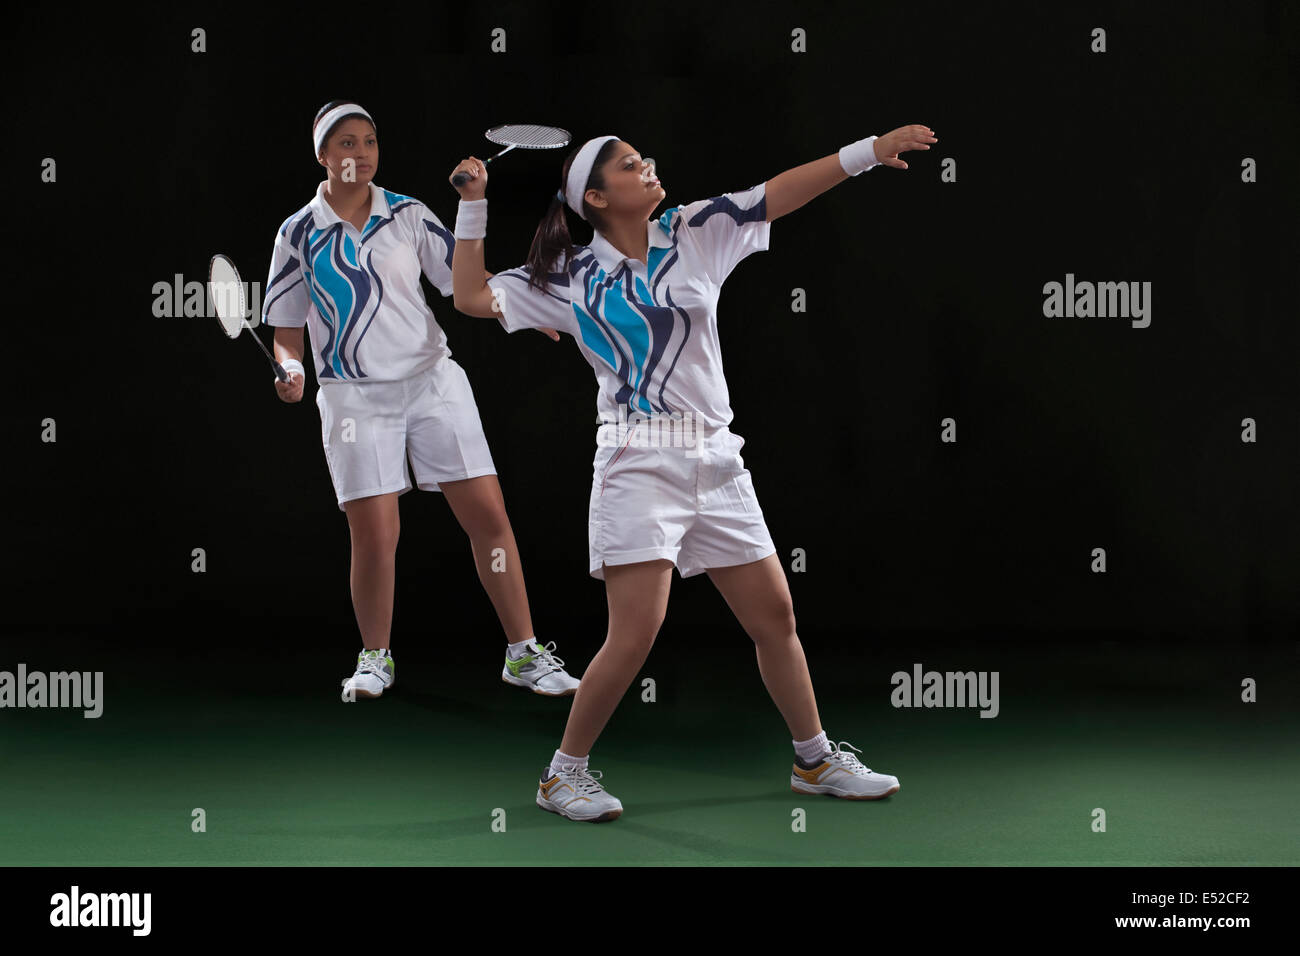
(368, 428)
(693, 506)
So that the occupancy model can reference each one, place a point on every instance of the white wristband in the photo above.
(471, 219)
(291, 366)
(859, 157)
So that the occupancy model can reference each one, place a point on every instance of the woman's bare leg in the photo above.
(759, 596)
(480, 508)
(638, 600)
(373, 527)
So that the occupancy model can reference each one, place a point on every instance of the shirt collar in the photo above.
(610, 258)
(325, 216)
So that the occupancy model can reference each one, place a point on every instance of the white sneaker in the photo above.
(540, 671)
(841, 774)
(575, 794)
(374, 676)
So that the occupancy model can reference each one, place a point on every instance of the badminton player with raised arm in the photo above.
(347, 266)
(668, 486)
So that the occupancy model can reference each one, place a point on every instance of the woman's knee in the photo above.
(634, 636)
(777, 623)
(487, 521)
(638, 602)
(631, 643)
(374, 532)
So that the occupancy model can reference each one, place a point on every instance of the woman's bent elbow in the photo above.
(471, 305)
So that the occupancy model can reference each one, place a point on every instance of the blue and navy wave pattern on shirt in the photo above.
(640, 332)
(346, 292)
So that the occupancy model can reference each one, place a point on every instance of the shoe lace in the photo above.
(848, 761)
(546, 659)
(370, 664)
(582, 781)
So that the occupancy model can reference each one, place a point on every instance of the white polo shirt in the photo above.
(359, 293)
(649, 329)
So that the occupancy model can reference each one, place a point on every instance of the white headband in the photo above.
(322, 127)
(580, 172)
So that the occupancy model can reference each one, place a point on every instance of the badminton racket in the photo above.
(226, 293)
(514, 136)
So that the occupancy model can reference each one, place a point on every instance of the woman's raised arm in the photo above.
(470, 292)
(793, 188)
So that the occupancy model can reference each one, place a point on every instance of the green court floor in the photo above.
(288, 774)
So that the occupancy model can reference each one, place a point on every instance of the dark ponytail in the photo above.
(552, 237)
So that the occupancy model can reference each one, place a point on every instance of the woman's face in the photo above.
(353, 139)
(631, 187)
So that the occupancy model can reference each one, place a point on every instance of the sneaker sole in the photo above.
(842, 794)
(602, 818)
(520, 682)
(366, 694)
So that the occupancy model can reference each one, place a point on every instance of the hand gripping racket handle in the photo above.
(461, 178)
(280, 373)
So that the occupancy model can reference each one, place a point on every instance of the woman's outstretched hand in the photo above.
(476, 187)
(901, 140)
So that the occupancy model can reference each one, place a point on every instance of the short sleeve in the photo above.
(725, 229)
(524, 307)
(434, 244)
(286, 300)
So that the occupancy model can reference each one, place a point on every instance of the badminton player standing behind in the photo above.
(640, 302)
(347, 265)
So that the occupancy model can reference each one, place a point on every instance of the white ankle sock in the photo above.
(561, 759)
(814, 749)
(519, 649)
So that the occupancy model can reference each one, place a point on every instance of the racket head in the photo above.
(226, 293)
(523, 136)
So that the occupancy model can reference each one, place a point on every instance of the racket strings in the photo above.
(529, 137)
(226, 292)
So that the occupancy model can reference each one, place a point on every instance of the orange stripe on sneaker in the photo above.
(810, 776)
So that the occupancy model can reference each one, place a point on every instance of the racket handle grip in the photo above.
(280, 373)
(461, 178)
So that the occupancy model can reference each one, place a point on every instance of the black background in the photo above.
(924, 301)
